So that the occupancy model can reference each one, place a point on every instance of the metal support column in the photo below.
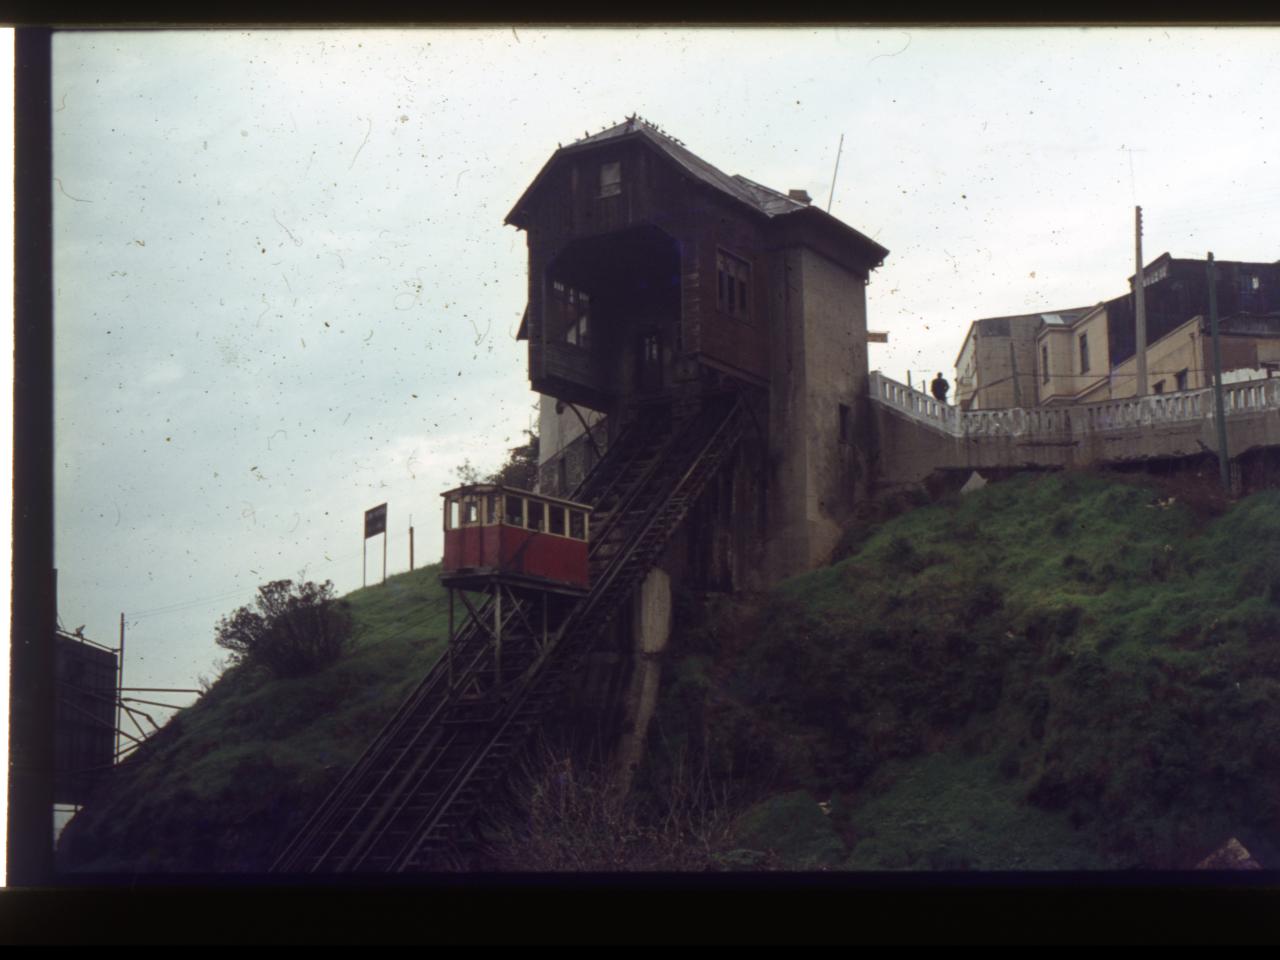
(497, 634)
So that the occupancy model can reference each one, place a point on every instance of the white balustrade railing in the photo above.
(1075, 420)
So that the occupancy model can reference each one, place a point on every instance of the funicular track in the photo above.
(414, 792)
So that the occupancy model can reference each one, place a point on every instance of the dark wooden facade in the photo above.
(1177, 290)
(649, 232)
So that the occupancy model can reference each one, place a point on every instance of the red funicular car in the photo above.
(493, 529)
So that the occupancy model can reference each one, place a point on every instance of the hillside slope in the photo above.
(1056, 672)
(227, 781)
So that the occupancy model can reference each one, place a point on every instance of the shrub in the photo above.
(295, 630)
(574, 817)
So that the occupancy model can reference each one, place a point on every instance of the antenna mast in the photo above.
(832, 194)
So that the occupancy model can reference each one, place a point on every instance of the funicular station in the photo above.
(717, 330)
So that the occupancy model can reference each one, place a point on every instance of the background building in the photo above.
(997, 363)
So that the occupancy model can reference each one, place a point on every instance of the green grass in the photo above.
(229, 779)
(1114, 657)
(1059, 671)
(946, 811)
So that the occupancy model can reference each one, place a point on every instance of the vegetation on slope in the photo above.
(1058, 671)
(226, 782)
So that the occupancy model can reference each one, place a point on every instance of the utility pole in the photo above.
(411, 543)
(1140, 305)
(1220, 414)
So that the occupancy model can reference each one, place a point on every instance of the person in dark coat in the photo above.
(940, 388)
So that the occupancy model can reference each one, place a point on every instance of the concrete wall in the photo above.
(917, 438)
(1055, 379)
(1180, 349)
(967, 369)
(819, 364)
(651, 629)
(1068, 381)
(562, 440)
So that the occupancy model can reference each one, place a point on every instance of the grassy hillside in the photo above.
(229, 779)
(1057, 671)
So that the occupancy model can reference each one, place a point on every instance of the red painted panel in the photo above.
(556, 558)
(504, 547)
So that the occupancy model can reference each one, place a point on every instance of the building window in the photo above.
(733, 285)
(571, 309)
(610, 179)
(1158, 387)
(1044, 363)
(1180, 379)
(1084, 353)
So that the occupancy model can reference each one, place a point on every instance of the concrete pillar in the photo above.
(651, 628)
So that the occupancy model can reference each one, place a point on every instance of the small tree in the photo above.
(521, 468)
(296, 628)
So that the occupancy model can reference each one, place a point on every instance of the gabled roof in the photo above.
(757, 197)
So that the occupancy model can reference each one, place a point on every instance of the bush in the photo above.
(295, 630)
(574, 817)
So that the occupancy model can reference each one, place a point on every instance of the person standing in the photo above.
(940, 388)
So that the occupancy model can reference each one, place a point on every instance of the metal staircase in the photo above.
(414, 792)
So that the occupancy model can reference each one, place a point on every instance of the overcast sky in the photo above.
(285, 294)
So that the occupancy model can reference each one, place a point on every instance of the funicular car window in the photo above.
(495, 505)
(535, 519)
(555, 520)
(515, 510)
(453, 513)
(470, 512)
(577, 525)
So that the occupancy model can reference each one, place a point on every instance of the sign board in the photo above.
(84, 717)
(375, 521)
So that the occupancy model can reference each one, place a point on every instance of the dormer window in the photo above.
(610, 179)
(733, 285)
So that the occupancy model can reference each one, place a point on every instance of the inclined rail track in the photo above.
(423, 778)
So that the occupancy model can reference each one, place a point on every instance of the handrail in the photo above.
(1079, 419)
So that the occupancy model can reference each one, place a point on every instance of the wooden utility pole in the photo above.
(1220, 413)
(1140, 305)
(411, 543)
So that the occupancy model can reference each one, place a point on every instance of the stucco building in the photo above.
(997, 363)
(1088, 354)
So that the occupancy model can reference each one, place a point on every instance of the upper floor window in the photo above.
(610, 179)
(1084, 353)
(571, 310)
(733, 285)
(1044, 363)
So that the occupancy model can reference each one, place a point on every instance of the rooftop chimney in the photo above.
(801, 195)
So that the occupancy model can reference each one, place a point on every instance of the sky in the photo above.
(284, 292)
